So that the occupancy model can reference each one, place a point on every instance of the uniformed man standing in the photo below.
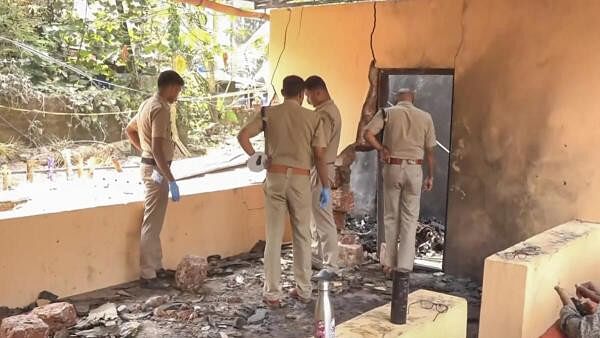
(150, 132)
(294, 141)
(408, 137)
(323, 230)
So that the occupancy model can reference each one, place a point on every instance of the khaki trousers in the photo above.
(322, 228)
(287, 193)
(155, 207)
(402, 194)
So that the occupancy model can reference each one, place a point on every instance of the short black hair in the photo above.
(169, 78)
(293, 85)
(315, 82)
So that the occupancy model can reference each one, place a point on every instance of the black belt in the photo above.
(151, 161)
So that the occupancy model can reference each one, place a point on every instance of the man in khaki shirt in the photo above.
(293, 138)
(323, 230)
(408, 137)
(150, 132)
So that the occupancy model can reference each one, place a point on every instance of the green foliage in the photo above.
(127, 42)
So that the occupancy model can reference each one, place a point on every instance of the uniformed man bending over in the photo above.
(294, 141)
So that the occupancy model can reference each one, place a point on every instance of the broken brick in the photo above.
(349, 239)
(191, 273)
(350, 255)
(340, 219)
(341, 177)
(342, 200)
(24, 326)
(57, 316)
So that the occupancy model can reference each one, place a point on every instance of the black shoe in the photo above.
(162, 273)
(153, 283)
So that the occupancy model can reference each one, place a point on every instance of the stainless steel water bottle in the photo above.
(324, 324)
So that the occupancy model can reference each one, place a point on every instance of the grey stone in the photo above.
(258, 316)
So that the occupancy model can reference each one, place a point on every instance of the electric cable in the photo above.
(282, 49)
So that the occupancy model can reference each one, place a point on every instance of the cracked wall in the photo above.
(525, 113)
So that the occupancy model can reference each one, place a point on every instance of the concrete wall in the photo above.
(73, 252)
(525, 108)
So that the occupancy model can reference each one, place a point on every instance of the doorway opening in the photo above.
(434, 93)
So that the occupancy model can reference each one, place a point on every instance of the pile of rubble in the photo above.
(216, 297)
(430, 235)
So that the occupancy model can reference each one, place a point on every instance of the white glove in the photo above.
(156, 177)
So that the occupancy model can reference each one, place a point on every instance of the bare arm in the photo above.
(133, 135)
(244, 141)
(384, 153)
(321, 165)
(430, 158)
(160, 159)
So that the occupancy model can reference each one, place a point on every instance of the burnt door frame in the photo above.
(383, 87)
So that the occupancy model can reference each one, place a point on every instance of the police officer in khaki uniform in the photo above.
(150, 132)
(323, 230)
(294, 142)
(408, 138)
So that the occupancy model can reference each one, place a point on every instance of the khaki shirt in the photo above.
(332, 125)
(292, 131)
(408, 131)
(154, 120)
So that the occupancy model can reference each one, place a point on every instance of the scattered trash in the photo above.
(105, 314)
(258, 316)
(155, 301)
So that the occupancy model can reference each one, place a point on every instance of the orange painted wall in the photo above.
(525, 121)
(74, 252)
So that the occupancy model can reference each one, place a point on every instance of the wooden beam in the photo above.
(225, 9)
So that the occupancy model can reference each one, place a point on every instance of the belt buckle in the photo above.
(411, 161)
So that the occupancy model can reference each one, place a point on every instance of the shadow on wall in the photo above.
(363, 180)
(500, 124)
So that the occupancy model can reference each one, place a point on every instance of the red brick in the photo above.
(342, 200)
(342, 177)
(57, 316)
(24, 326)
(191, 273)
(349, 239)
(340, 219)
(350, 255)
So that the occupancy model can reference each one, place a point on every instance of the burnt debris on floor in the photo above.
(229, 303)
(429, 239)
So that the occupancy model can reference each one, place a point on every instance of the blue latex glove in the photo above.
(325, 197)
(174, 188)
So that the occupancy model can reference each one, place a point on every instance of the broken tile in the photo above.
(191, 273)
(24, 326)
(57, 316)
(129, 329)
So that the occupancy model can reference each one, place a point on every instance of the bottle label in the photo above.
(324, 331)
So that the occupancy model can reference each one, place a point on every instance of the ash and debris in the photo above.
(230, 302)
(430, 235)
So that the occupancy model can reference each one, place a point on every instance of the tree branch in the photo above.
(229, 10)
